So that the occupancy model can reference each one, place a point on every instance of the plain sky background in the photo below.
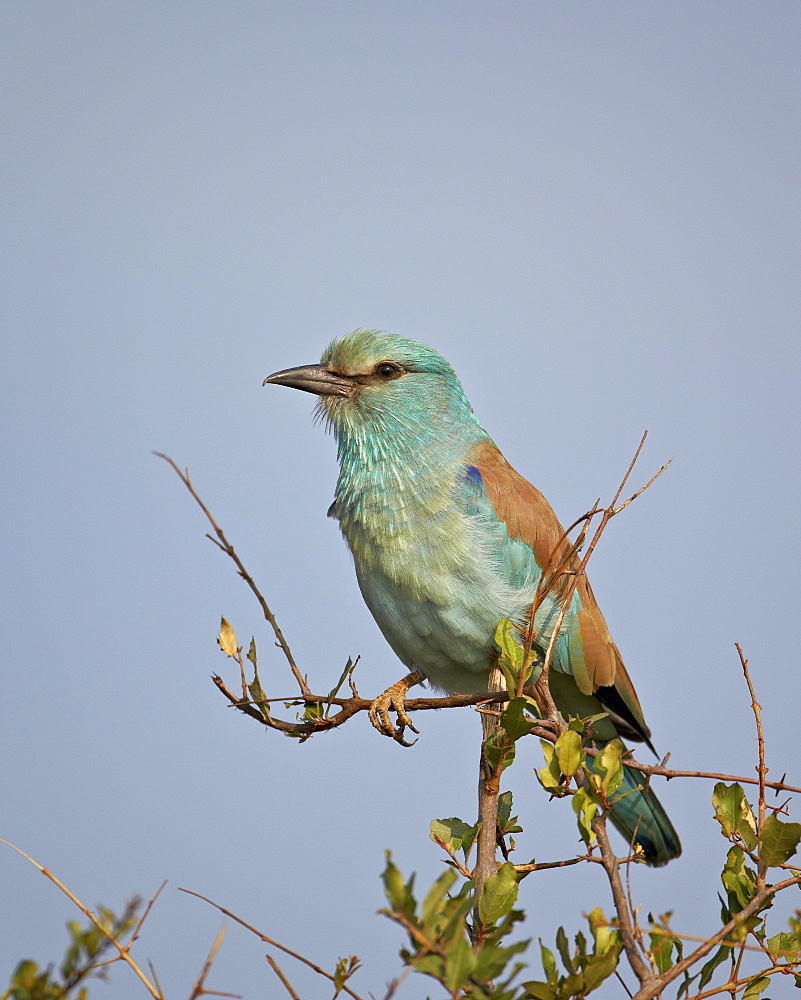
(593, 210)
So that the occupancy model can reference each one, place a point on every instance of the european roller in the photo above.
(448, 540)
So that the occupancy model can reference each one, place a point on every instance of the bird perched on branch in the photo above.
(448, 540)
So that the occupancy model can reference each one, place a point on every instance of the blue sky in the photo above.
(592, 210)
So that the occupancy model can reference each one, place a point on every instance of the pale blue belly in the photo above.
(451, 643)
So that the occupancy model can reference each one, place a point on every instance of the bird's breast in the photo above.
(429, 574)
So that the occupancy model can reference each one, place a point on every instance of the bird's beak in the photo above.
(313, 378)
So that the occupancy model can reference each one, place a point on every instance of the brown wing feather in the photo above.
(529, 517)
(524, 510)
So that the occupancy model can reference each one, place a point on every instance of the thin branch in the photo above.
(736, 974)
(455, 862)
(145, 915)
(612, 867)
(669, 773)
(154, 974)
(629, 471)
(122, 949)
(270, 941)
(228, 549)
(541, 866)
(761, 769)
(286, 983)
(198, 989)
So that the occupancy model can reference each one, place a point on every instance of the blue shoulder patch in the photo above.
(472, 497)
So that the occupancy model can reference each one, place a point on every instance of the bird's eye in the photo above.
(387, 370)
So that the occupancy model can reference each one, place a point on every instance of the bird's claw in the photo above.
(394, 700)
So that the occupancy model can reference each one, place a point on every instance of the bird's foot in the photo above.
(394, 700)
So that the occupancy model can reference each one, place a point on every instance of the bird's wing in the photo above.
(595, 661)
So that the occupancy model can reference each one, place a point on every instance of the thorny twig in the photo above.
(761, 769)
(228, 549)
(667, 772)
(575, 574)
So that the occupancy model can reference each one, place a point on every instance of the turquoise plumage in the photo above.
(448, 539)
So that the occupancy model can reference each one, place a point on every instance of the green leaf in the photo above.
(511, 658)
(430, 965)
(784, 947)
(398, 893)
(345, 969)
(585, 808)
(257, 693)
(313, 712)
(252, 652)
(600, 968)
(738, 879)
(606, 936)
(438, 891)
(492, 961)
(514, 721)
(536, 990)
(499, 895)
(734, 813)
(569, 752)
(661, 950)
(26, 977)
(460, 961)
(549, 962)
(227, 638)
(756, 987)
(453, 832)
(452, 924)
(564, 950)
(505, 638)
(778, 841)
(708, 971)
(498, 753)
(607, 765)
(507, 823)
(573, 986)
(584, 726)
(347, 671)
(550, 776)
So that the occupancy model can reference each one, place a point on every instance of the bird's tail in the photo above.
(639, 817)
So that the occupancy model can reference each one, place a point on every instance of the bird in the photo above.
(448, 540)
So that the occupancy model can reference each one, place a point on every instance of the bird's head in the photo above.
(374, 382)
